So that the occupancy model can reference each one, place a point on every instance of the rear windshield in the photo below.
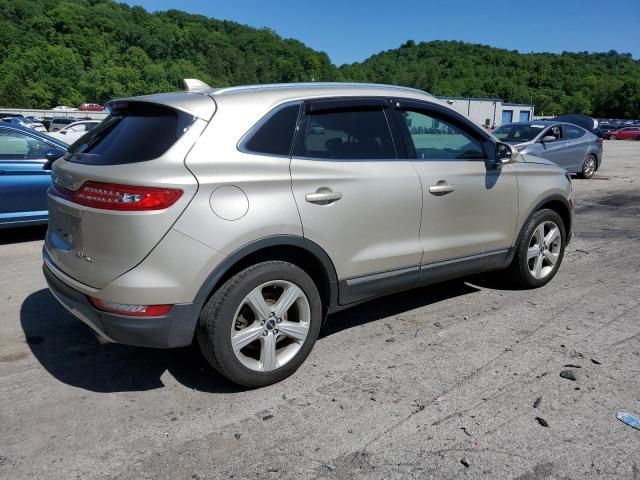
(518, 132)
(133, 132)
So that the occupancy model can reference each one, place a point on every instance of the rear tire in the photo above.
(261, 324)
(589, 167)
(539, 250)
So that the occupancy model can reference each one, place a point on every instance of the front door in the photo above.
(470, 205)
(556, 151)
(356, 199)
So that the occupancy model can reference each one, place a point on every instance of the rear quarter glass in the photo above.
(133, 132)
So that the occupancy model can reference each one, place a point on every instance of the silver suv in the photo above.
(241, 217)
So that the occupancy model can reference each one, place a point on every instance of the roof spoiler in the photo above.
(194, 85)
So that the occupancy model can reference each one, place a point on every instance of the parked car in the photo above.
(24, 122)
(74, 131)
(222, 215)
(568, 146)
(62, 108)
(91, 107)
(25, 174)
(625, 133)
(58, 123)
(603, 130)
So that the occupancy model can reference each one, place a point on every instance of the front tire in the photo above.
(261, 324)
(589, 167)
(539, 251)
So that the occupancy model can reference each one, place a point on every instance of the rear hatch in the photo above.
(121, 187)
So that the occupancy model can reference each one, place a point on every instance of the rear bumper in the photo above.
(175, 329)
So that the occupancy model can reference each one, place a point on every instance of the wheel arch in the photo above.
(558, 204)
(298, 250)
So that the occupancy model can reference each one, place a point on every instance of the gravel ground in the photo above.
(457, 380)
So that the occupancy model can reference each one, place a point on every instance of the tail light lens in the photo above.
(112, 196)
(130, 310)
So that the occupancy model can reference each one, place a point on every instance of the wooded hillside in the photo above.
(65, 52)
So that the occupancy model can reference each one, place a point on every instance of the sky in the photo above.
(352, 30)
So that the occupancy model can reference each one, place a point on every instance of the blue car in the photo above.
(25, 174)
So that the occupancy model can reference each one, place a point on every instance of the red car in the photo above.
(624, 133)
(91, 107)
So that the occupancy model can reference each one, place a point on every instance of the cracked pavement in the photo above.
(439, 382)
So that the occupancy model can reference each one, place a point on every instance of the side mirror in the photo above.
(51, 156)
(548, 139)
(62, 132)
(505, 153)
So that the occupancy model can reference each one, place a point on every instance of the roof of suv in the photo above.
(198, 102)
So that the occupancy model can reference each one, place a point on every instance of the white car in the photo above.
(62, 108)
(74, 131)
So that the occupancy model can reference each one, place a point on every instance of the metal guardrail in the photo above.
(35, 112)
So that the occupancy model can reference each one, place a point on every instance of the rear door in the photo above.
(23, 179)
(356, 199)
(470, 205)
(578, 142)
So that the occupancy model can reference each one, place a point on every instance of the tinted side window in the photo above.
(572, 132)
(435, 138)
(275, 135)
(354, 134)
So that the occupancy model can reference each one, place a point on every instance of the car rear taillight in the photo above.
(130, 310)
(112, 196)
(599, 141)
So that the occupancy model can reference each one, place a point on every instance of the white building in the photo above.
(491, 112)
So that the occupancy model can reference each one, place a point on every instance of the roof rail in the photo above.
(194, 85)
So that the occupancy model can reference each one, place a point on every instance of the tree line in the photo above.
(66, 52)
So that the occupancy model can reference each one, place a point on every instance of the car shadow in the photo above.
(22, 234)
(71, 352)
(395, 304)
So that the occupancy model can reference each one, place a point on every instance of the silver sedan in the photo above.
(567, 145)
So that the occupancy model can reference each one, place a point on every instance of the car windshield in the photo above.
(518, 132)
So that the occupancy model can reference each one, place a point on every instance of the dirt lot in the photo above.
(435, 383)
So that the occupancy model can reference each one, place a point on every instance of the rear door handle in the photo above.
(323, 197)
(441, 189)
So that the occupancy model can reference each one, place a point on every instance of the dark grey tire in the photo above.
(523, 267)
(231, 304)
(589, 167)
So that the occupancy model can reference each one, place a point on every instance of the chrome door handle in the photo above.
(323, 197)
(441, 189)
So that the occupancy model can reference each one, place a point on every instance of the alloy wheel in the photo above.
(589, 166)
(544, 249)
(270, 325)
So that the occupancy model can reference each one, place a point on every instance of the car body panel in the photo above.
(380, 212)
(96, 246)
(479, 216)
